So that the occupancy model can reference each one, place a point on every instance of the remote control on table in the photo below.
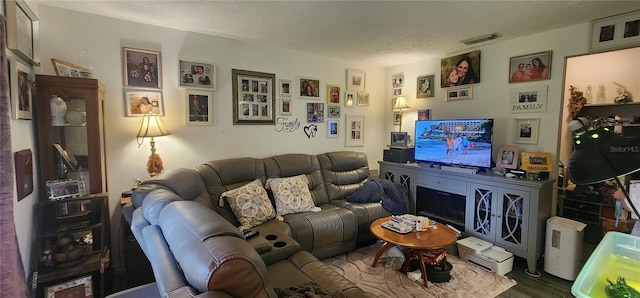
(250, 234)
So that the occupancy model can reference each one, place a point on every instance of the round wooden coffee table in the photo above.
(431, 239)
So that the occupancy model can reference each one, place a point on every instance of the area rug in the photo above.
(467, 280)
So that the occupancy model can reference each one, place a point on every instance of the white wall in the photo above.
(64, 32)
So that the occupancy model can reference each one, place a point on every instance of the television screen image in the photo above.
(465, 142)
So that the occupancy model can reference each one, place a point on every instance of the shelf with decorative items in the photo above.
(73, 242)
(72, 217)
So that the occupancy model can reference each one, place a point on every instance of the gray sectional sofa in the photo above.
(196, 249)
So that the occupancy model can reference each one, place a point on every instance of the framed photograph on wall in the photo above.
(285, 88)
(465, 66)
(508, 157)
(199, 107)
(315, 112)
(363, 98)
(334, 112)
(66, 69)
(459, 93)
(195, 74)
(23, 31)
(333, 128)
(21, 95)
(530, 67)
(141, 102)
(285, 106)
(425, 85)
(356, 80)
(350, 98)
(615, 32)
(529, 99)
(309, 88)
(526, 131)
(24, 173)
(397, 118)
(77, 288)
(397, 80)
(141, 68)
(253, 97)
(354, 136)
(333, 94)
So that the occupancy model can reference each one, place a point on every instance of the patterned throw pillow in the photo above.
(250, 204)
(292, 195)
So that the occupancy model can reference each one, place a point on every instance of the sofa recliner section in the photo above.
(182, 207)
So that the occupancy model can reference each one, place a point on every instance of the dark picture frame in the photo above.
(253, 97)
(195, 74)
(523, 68)
(399, 139)
(24, 173)
(470, 62)
(425, 86)
(141, 68)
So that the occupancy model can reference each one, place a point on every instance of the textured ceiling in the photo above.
(384, 33)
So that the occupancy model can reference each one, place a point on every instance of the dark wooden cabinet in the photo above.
(72, 241)
(82, 143)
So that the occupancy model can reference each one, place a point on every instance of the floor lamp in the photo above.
(400, 105)
(152, 127)
(599, 155)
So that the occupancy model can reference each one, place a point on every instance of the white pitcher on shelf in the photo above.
(58, 110)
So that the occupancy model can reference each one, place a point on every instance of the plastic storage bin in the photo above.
(618, 254)
(563, 249)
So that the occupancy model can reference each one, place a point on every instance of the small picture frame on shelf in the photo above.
(536, 162)
(508, 157)
(62, 189)
(68, 159)
(77, 288)
(67, 69)
(399, 139)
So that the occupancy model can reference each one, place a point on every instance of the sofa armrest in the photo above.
(168, 276)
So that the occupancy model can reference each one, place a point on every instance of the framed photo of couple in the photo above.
(197, 75)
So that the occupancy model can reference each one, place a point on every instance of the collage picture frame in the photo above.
(354, 136)
(459, 93)
(67, 69)
(253, 97)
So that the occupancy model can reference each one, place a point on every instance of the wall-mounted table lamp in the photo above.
(401, 105)
(599, 155)
(152, 127)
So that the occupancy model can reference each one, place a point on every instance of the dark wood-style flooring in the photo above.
(547, 285)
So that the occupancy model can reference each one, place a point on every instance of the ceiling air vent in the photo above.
(482, 38)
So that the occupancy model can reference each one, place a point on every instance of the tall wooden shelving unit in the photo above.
(82, 216)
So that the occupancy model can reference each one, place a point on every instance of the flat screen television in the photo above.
(464, 142)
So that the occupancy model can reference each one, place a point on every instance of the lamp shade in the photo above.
(401, 104)
(152, 127)
(601, 155)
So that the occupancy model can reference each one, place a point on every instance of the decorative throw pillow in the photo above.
(250, 204)
(292, 195)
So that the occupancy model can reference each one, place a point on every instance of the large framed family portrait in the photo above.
(461, 69)
(530, 67)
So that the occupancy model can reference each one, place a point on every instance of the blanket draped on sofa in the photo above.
(391, 195)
